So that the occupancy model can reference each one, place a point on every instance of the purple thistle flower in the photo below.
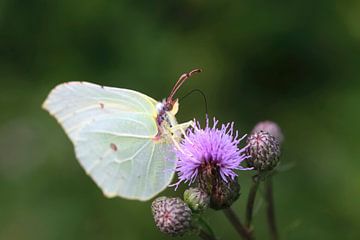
(211, 150)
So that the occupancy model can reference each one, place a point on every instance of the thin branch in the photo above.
(271, 209)
(235, 221)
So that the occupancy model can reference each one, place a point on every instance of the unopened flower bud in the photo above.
(263, 151)
(270, 127)
(172, 215)
(197, 199)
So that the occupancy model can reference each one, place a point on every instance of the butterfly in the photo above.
(122, 138)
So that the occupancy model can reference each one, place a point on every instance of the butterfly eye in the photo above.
(168, 106)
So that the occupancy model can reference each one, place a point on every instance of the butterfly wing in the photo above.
(113, 133)
(131, 166)
(75, 104)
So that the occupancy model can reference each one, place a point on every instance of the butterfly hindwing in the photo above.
(130, 167)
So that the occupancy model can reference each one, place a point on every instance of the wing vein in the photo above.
(149, 163)
(135, 154)
(121, 134)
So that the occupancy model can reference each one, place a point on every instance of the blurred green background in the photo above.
(294, 62)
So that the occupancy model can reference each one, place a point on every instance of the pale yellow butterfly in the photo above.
(123, 139)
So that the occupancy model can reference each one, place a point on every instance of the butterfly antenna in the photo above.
(202, 94)
(179, 82)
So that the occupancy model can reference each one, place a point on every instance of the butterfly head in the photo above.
(167, 109)
(172, 106)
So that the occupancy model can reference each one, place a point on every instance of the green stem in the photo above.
(250, 202)
(235, 221)
(270, 208)
(205, 236)
(206, 225)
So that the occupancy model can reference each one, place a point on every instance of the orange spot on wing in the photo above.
(113, 147)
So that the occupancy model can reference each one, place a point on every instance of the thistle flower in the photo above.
(264, 151)
(172, 215)
(210, 152)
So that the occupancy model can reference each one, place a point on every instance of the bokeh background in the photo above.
(294, 62)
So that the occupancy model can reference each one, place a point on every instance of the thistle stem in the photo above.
(205, 236)
(206, 225)
(235, 221)
(270, 208)
(250, 202)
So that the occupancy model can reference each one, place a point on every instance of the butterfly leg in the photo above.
(181, 127)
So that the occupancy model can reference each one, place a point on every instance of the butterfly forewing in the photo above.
(113, 131)
(75, 104)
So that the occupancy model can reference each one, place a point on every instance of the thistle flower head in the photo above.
(263, 151)
(172, 215)
(212, 151)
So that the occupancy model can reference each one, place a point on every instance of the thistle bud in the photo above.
(263, 151)
(197, 199)
(172, 215)
(270, 127)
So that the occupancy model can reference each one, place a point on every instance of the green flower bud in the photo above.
(197, 199)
